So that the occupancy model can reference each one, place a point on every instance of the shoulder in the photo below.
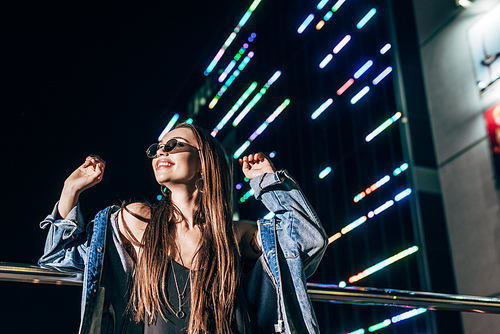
(138, 210)
(247, 233)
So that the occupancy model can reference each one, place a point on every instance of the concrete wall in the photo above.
(456, 108)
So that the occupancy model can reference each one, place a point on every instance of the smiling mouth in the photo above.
(163, 164)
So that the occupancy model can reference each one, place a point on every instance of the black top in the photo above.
(117, 279)
(177, 321)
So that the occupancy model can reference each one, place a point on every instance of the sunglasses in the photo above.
(168, 147)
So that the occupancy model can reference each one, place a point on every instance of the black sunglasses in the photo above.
(168, 147)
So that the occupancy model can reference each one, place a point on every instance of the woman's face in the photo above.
(182, 164)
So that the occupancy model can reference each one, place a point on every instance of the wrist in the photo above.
(70, 190)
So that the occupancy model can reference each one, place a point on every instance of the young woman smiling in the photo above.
(184, 265)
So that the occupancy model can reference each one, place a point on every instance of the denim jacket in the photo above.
(293, 243)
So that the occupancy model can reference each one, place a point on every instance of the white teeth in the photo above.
(164, 163)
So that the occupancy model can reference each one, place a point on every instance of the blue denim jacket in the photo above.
(293, 243)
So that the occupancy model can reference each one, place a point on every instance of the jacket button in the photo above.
(99, 249)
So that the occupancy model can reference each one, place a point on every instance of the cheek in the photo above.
(194, 162)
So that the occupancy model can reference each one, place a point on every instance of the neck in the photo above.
(184, 198)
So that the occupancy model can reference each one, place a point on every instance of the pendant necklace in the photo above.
(180, 313)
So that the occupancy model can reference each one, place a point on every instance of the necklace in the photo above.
(180, 313)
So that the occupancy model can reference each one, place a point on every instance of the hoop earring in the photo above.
(163, 191)
(200, 189)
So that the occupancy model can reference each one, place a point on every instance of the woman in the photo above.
(177, 266)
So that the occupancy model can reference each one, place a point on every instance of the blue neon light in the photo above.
(325, 172)
(322, 4)
(322, 108)
(363, 69)
(304, 24)
(382, 75)
(328, 16)
(361, 93)
(341, 44)
(385, 48)
(169, 126)
(402, 194)
(366, 18)
(326, 60)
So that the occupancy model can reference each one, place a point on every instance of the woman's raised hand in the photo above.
(256, 164)
(87, 175)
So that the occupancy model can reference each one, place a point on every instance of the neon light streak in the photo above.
(244, 19)
(378, 326)
(242, 149)
(372, 188)
(189, 121)
(408, 315)
(400, 169)
(322, 108)
(261, 128)
(366, 18)
(235, 108)
(383, 264)
(247, 195)
(231, 37)
(169, 126)
(372, 213)
(229, 81)
(271, 118)
(320, 25)
(304, 24)
(397, 318)
(383, 207)
(385, 48)
(361, 93)
(322, 4)
(272, 154)
(249, 107)
(326, 60)
(358, 331)
(334, 237)
(325, 172)
(337, 5)
(256, 98)
(363, 69)
(228, 69)
(275, 77)
(353, 225)
(402, 194)
(345, 86)
(382, 75)
(383, 126)
(341, 44)
(328, 16)
(245, 61)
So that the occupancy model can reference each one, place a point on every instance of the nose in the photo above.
(161, 151)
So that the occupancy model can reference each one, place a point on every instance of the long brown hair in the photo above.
(215, 278)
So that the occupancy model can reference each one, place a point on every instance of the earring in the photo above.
(164, 190)
(200, 189)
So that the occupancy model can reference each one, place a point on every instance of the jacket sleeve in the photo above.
(67, 240)
(298, 228)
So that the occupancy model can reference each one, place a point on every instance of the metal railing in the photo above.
(17, 272)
